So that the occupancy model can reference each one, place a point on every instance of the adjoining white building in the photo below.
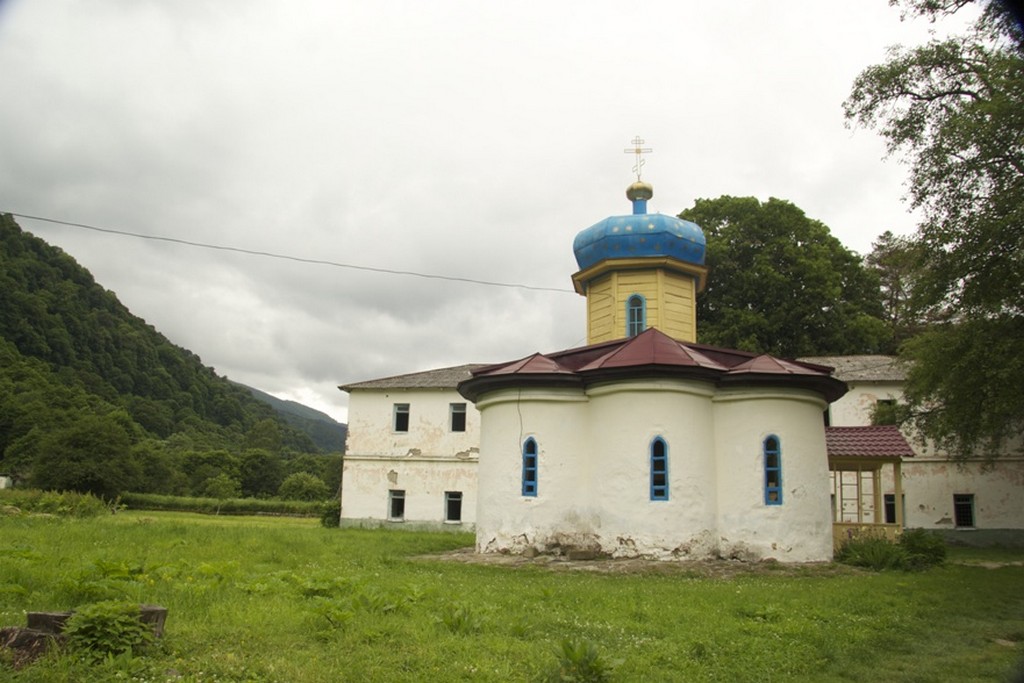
(411, 452)
(646, 444)
(974, 502)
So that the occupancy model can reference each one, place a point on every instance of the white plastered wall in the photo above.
(425, 462)
(508, 520)
(800, 529)
(624, 419)
(854, 409)
(594, 487)
(368, 480)
(929, 484)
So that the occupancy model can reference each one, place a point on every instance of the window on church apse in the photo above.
(772, 471)
(659, 469)
(530, 468)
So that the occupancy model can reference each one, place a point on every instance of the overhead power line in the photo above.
(286, 257)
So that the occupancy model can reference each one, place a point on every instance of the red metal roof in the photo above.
(867, 442)
(652, 353)
(650, 347)
(535, 364)
(769, 365)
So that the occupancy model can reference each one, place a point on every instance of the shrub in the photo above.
(67, 504)
(924, 549)
(331, 517)
(229, 506)
(107, 628)
(873, 552)
(916, 549)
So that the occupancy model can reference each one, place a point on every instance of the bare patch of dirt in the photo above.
(703, 569)
(987, 564)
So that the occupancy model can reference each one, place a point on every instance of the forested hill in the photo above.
(93, 398)
(326, 432)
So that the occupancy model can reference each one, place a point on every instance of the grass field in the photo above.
(263, 599)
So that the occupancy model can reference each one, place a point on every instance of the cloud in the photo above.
(463, 139)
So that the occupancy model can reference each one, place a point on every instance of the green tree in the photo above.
(780, 283)
(260, 473)
(303, 486)
(221, 487)
(897, 261)
(91, 455)
(954, 110)
(265, 434)
(202, 465)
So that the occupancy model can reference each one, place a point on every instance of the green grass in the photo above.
(283, 599)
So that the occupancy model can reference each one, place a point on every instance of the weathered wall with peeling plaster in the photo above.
(930, 479)
(929, 484)
(593, 480)
(854, 409)
(425, 462)
(601, 470)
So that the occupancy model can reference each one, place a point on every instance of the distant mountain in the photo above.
(93, 398)
(326, 432)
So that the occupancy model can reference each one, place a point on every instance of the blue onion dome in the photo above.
(640, 235)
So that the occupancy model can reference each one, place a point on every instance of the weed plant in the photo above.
(62, 504)
(271, 600)
(102, 629)
(916, 549)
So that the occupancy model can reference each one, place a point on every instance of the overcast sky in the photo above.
(469, 139)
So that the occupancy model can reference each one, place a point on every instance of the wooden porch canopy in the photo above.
(865, 450)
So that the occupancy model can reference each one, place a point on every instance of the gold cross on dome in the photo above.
(638, 149)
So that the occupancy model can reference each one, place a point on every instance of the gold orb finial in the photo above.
(639, 190)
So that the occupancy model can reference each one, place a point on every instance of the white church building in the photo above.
(645, 443)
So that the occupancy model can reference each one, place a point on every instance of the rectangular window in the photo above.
(884, 412)
(458, 417)
(963, 510)
(401, 417)
(890, 508)
(453, 506)
(396, 505)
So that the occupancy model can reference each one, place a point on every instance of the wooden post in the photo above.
(876, 481)
(897, 481)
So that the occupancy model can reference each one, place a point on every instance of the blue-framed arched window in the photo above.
(659, 469)
(530, 467)
(636, 315)
(772, 471)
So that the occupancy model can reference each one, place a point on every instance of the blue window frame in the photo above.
(636, 315)
(659, 469)
(530, 468)
(772, 471)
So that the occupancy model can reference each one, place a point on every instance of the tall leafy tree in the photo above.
(91, 455)
(780, 283)
(953, 109)
(897, 261)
